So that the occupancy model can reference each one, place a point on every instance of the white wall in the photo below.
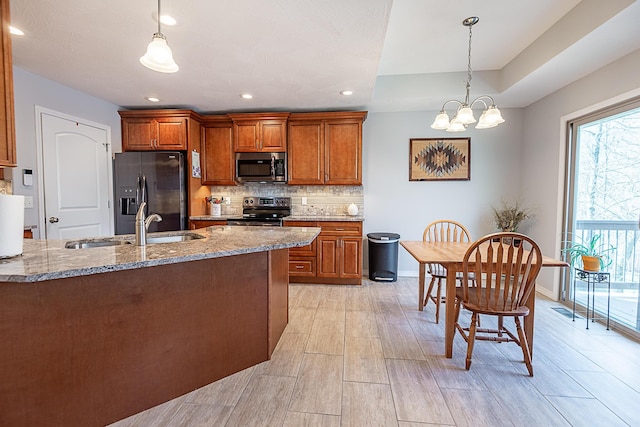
(543, 152)
(395, 204)
(31, 90)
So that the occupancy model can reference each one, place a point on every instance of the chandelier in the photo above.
(463, 117)
(159, 56)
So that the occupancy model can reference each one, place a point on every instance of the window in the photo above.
(603, 196)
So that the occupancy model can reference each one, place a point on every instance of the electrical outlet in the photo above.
(304, 201)
(228, 200)
(28, 202)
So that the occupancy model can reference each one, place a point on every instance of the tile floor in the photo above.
(364, 356)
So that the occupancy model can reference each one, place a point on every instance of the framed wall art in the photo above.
(439, 159)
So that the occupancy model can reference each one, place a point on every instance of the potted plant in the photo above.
(593, 253)
(510, 215)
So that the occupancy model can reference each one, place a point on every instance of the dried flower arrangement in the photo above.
(510, 215)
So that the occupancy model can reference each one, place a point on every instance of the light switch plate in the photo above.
(28, 202)
(304, 200)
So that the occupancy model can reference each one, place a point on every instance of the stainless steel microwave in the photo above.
(261, 167)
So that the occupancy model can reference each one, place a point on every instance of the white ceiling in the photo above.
(296, 55)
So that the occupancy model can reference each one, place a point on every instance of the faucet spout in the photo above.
(142, 224)
(150, 218)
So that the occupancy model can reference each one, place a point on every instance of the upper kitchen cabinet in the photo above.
(217, 151)
(265, 132)
(148, 130)
(325, 148)
(7, 132)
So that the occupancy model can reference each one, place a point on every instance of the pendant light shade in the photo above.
(490, 117)
(159, 56)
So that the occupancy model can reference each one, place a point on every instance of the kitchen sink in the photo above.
(173, 239)
(84, 244)
(151, 239)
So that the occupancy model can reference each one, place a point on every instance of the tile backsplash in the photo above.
(321, 199)
(5, 187)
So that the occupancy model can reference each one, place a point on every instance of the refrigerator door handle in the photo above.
(138, 192)
(144, 189)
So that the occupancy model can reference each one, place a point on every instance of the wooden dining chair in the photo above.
(505, 266)
(441, 231)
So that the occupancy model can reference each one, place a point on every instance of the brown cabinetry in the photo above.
(325, 148)
(7, 132)
(302, 260)
(218, 166)
(149, 130)
(335, 257)
(254, 132)
(203, 223)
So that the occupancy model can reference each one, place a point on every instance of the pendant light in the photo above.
(159, 56)
(490, 117)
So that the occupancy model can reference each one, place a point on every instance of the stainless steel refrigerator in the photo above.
(157, 178)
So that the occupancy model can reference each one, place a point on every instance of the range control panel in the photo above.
(267, 202)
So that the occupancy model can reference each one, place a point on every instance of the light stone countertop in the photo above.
(212, 218)
(49, 259)
(324, 218)
(287, 218)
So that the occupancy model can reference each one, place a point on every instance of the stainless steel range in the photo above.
(267, 211)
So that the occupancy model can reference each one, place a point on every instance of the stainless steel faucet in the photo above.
(142, 224)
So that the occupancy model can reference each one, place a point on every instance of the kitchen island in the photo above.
(91, 336)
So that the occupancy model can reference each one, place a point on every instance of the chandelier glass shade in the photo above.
(490, 117)
(159, 56)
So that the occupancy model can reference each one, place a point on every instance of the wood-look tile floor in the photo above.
(365, 356)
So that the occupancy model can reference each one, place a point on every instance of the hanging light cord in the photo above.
(160, 32)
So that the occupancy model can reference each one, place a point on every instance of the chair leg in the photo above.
(524, 344)
(500, 325)
(472, 338)
(438, 300)
(427, 296)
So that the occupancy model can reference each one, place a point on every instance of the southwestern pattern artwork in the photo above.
(440, 159)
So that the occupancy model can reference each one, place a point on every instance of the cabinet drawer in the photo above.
(302, 266)
(308, 250)
(342, 228)
(197, 223)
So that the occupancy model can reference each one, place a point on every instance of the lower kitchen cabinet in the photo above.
(202, 223)
(335, 257)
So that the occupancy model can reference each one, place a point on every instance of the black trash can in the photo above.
(383, 256)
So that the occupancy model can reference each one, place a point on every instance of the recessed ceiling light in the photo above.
(164, 19)
(246, 96)
(15, 31)
(346, 92)
(168, 20)
(152, 99)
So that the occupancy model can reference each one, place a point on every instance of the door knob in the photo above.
(53, 220)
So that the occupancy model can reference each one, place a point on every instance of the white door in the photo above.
(76, 168)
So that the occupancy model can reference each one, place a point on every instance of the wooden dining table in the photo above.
(450, 255)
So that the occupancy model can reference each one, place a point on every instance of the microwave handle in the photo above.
(273, 167)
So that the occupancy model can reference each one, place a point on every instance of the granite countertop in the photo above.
(324, 218)
(49, 259)
(212, 218)
(287, 218)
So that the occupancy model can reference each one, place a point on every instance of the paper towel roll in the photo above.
(11, 225)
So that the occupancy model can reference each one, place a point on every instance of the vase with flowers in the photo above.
(509, 216)
(214, 204)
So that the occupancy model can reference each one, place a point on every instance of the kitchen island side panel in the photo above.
(91, 350)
